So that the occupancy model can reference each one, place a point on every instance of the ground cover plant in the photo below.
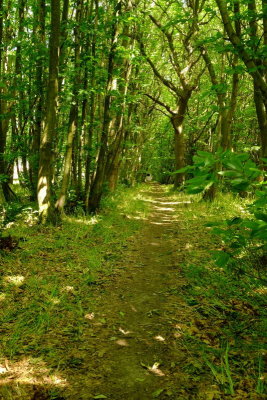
(46, 285)
(133, 219)
(229, 327)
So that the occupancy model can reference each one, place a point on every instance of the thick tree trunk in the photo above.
(177, 121)
(47, 211)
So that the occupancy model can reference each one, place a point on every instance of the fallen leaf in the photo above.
(3, 370)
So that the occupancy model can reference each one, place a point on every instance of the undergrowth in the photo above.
(48, 287)
(228, 333)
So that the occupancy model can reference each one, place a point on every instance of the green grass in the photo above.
(229, 304)
(49, 284)
(52, 282)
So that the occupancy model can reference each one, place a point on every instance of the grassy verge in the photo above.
(48, 286)
(226, 336)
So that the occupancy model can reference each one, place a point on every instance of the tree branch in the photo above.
(160, 103)
(169, 38)
(165, 81)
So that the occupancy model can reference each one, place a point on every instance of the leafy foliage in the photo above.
(240, 175)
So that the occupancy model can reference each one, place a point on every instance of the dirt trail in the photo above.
(136, 322)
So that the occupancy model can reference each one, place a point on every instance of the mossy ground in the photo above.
(66, 293)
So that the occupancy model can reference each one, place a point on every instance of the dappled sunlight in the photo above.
(90, 221)
(90, 316)
(16, 280)
(122, 342)
(3, 296)
(154, 244)
(179, 331)
(156, 370)
(164, 208)
(54, 300)
(139, 217)
(261, 290)
(165, 222)
(68, 289)
(159, 338)
(31, 371)
(124, 332)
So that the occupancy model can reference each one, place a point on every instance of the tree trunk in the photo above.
(5, 190)
(36, 139)
(262, 119)
(47, 211)
(177, 121)
(73, 117)
(97, 186)
(89, 137)
(67, 159)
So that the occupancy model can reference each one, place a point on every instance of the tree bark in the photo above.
(262, 119)
(36, 140)
(248, 60)
(97, 186)
(177, 121)
(47, 211)
(73, 116)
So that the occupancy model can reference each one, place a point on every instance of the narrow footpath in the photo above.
(126, 310)
(138, 345)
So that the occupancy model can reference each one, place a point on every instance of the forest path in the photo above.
(137, 355)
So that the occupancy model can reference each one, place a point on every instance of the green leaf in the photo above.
(261, 216)
(222, 259)
(234, 221)
(100, 396)
(230, 174)
(157, 393)
(182, 170)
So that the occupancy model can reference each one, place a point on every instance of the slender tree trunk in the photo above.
(262, 119)
(63, 38)
(244, 54)
(36, 139)
(47, 210)
(2, 130)
(67, 159)
(5, 191)
(97, 186)
(113, 164)
(91, 105)
(73, 117)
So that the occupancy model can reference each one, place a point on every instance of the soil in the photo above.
(138, 350)
(137, 340)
